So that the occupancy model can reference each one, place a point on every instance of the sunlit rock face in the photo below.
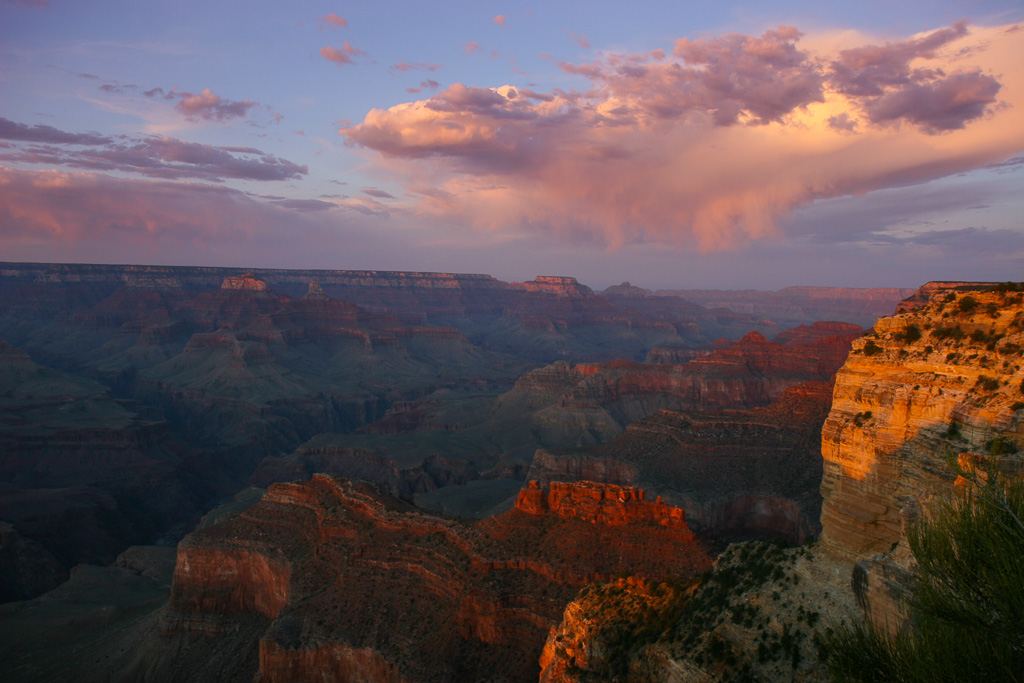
(247, 282)
(353, 581)
(940, 378)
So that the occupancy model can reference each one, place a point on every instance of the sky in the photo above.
(729, 145)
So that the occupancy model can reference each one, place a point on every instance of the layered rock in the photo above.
(595, 402)
(736, 472)
(554, 284)
(944, 378)
(599, 504)
(354, 581)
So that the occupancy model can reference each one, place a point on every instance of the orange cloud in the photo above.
(499, 20)
(711, 145)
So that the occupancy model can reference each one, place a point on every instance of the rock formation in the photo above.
(943, 378)
(738, 472)
(590, 403)
(352, 580)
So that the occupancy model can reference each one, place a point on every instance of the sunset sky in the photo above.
(672, 144)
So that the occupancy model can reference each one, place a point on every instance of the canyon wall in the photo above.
(940, 380)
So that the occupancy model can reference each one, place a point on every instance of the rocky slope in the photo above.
(352, 580)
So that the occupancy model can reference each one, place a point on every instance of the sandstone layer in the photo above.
(939, 380)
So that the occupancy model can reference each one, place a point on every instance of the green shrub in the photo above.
(872, 349)
(967, 304)
(966, 604)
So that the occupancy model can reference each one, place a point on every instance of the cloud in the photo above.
(332, 20)
(93, 217)
(164, 157)
(11, 130)
(580, 39)
(341, 56)
(375, 192)
(206, 105)
(499, 20)
(472, 46)
(895, 82)
(305, 205)
(710, 145)
(405, 66)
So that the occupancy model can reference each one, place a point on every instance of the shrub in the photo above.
(872, 349)
(966, 602)
(986, 383)
(967, 304)
(1001, 445)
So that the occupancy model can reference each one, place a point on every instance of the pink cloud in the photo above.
(92, 217)
(499, 20)
(332, 20)
(472, 46)
(709, 146)
(415, 66)
(11, 130)
(208, 105)
(341, 56)
(153, 157)
(580, 39)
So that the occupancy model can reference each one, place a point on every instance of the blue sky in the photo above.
(670, 144)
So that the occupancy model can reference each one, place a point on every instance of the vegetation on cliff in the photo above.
(967, 601)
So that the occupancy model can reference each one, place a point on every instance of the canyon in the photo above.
(939, 385)
(450, 449)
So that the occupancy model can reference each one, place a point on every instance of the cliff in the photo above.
(942, 378)
(353, 580)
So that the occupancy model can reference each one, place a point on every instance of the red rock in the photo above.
(356, 581)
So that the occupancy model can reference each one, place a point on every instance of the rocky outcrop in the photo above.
(599, 504)
(925, 292)
(757, 616)
(355, 581)
(626, 290)
(554, 284)
(941, 379)
(246, 281)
